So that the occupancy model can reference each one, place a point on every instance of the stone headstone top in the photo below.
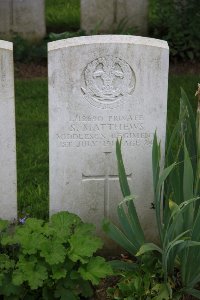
(24, 18)
(108, 16)
(6, 45)
(107, 39)
(102, 88)
(8, 180)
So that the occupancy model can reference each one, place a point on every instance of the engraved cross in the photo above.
(106, 178)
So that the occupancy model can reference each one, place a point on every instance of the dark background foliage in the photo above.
(178, 22)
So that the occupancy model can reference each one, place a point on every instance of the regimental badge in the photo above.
(107, 82)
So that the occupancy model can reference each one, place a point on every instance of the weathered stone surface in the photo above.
(8, 188)
(105, 16)
(101, 88)
(22, 17)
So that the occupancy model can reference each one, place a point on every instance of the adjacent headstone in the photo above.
(8, 185)
(106, 16)
(101, 88)
(22, 17)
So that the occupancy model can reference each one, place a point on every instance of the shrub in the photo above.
(178, 254)
(178, 22)
(52, 260)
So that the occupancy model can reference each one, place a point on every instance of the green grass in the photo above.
(32, 138)
(32, 147)
(62, 15)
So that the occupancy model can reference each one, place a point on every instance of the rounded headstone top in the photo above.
(6, 45)
(107, 39)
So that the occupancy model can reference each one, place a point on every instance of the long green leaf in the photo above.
(173, 138)
(148, 247)
(188, 180)
(174, 218)
(191, 114)
(188, 177)
(128, 228)
(132, 213)
(193, 292)
(122, 265)
(161, 180)
(121, 170)
(118, 236)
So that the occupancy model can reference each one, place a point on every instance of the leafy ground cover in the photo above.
(32, 138)
(52, 260)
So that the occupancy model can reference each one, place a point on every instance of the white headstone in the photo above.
(22, 17)
(8, 185)
(101, 88)
(105, 16)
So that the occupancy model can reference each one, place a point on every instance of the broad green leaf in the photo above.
(64, 224)
(33, 225)
(96, 269)
(65, 294)
(83, 243)
(30, 271)
(52, 251)
(58, 271)
(8, 289)
(86, 289)
(6, 263)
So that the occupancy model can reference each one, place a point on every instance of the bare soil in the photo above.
(33, 70)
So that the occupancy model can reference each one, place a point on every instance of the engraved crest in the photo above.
(107, 81)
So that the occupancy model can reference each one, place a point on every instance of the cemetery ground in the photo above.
(32, 145)
(32, 137)
(31, 91)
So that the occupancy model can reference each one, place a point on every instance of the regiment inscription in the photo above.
(98, 130)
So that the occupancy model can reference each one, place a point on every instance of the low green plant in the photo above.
(51, 260)
(178, 225)
(177, 22)
(26, 51)
(141, 281)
